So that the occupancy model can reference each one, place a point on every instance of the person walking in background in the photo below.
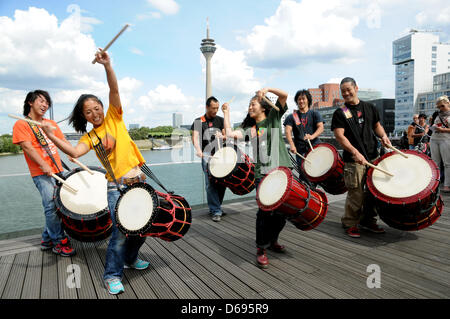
(440, 140)
(411, 129)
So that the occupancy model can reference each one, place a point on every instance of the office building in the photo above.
(177, 120)
(417, 58)
(426, 102)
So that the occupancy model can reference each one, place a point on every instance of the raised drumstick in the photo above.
(380, 169)
(114, 39)
(270, 103)
(28, 120)
(83, 166)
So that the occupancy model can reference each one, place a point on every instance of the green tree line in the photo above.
(144, 133)
(7, 146)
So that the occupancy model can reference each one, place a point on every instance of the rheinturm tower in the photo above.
(208, 47)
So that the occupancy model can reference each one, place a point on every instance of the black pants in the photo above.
(269, 224)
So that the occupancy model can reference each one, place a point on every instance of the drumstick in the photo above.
(398, 151)
(28, 120)
(83, 166)
(270, 103)
(112, 41)
(64, 183)
(312, 148)
(380, 169)
(304, 158)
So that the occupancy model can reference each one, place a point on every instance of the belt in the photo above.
(132, 180)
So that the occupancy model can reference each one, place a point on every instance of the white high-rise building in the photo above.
(177, 120)
(417, 58)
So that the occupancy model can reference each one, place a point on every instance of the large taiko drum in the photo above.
(85, 215)
(232, 168)
(326, 168)
(410, 199)
(143, 211)
(280, 190)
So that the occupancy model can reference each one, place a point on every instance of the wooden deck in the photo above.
(217, 261)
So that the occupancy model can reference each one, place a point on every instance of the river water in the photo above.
(179, 170)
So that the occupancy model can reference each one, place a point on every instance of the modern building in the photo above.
(417, 58)
(386, 109)
(426, 102)
(177, 120)
(327, 115)
(369, 94)
(208, 47)
(326, 95)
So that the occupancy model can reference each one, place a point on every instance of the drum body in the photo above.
(85, 215)
(232, 168)
(304, 207)
(143, 211)
(326, 168)
(410, 199)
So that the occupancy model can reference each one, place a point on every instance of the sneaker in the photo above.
(374, 228)
(114, 286)
(353, 232)
(46, 245)
(138, 264)
(216, 218)
(261, 258)
(276, 247)
(64, 249)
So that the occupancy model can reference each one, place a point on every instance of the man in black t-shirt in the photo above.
(207, 132)
(355, 127)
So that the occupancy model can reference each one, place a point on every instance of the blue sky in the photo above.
(287, 44)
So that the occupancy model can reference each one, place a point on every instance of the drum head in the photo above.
(322, 160)
(91, 196)
(135, 207)
(272, 187)
(412, 175)
(223, 162)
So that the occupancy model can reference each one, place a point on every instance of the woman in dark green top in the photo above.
(262, 126)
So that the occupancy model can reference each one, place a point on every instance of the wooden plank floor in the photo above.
(217, 261)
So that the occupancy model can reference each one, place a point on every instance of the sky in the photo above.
(283, 44)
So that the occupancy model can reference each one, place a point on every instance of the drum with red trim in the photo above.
(410, 199)
(232, 168)
(85, 215)
(280, 190)
(325, 167)
(143, 211)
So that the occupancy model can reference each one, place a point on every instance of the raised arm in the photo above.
(227, 124)
(64, 145)
(282, 95)
(102, 57)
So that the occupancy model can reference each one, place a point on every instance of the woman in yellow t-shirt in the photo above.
(125, 161)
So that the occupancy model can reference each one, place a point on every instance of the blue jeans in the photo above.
(121, 249)
(53, 230)
(214, 192)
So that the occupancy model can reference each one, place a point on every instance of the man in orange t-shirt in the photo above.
(42, 166)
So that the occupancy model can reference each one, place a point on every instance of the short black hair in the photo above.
(77, 118)
(422, 115)
(305, 93)
(348, 79)
(211, 99)
(32, 96)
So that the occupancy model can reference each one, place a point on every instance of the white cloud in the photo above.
(434, 18)
(231, 73)
(168, 7)
(137, 51)
(303, 32)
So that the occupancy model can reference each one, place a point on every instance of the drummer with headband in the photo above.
(43, 160)
(355, 126)
(262, 126)
(121, 159)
